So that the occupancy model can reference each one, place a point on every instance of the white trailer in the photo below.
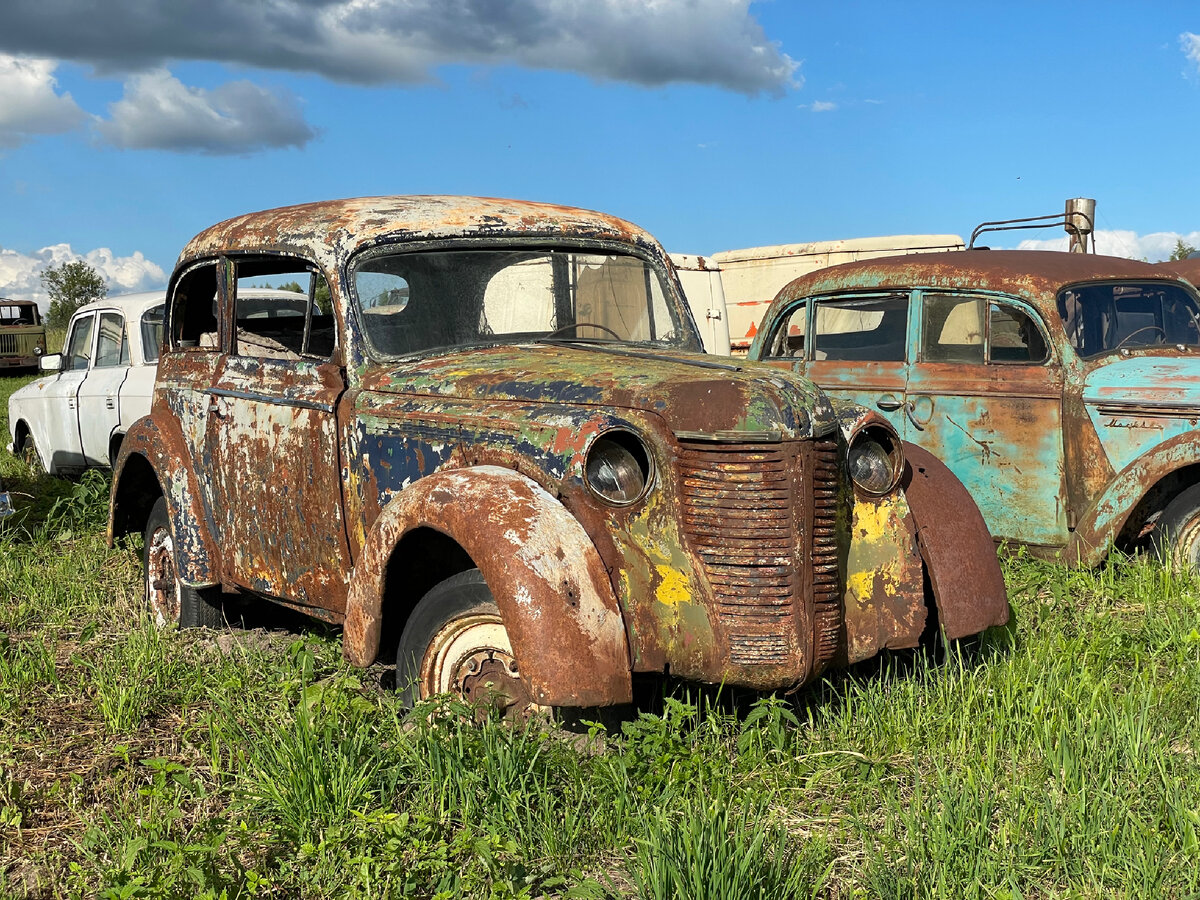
(701, 281)
(750, 278)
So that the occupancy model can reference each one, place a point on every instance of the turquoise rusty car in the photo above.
(487, 444)
(1063, 389)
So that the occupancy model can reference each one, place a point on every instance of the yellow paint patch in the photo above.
(860, 584)
(872, 520)
(672, 587)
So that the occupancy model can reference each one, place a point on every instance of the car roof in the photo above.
(129, 304)
(1185, 268)
(6, 302)
(1035, 275)
(334, 228)
(1032, 273)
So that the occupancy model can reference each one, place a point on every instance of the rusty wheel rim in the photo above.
(162, 587)
(471, 658)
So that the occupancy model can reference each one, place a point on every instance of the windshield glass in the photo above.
(418, 301)
(14, 314)
(1100, 318)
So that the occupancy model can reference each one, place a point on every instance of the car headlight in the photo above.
(875, 460)
(618, 467)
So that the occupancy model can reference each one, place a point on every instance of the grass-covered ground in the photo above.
(1059, 759)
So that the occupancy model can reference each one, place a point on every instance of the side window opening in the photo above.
(152, 329)
(953, 329)
(1014, 337)
(870, 329)
(282, 309)
(976, 330)
(111, 346)
(194, 309)
(79, 344)
(788, 340)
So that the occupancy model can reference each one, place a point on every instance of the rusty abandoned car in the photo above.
(1063, 389)
(489, 446)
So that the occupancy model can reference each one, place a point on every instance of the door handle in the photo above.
(910, 411)
(109, 404)
(888, 403)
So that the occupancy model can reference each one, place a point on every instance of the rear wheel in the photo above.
(170, 601)
(455, 643)
(1177, 537)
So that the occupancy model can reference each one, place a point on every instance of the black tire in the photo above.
(455, 642)
(170, 601)
(1177, 535)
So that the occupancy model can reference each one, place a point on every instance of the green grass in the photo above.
(1057, 758)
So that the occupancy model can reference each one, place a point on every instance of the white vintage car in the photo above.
(77, 413)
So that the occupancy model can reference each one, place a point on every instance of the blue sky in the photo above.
(128, 126)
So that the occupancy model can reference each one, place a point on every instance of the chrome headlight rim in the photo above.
(638, 452)
(883, 443)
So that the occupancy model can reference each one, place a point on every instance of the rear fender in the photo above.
(154, 460)
(959, 553)
(552, 589)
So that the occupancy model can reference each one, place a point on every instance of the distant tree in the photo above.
(1181, 250)
(70, 285)
(291, 286)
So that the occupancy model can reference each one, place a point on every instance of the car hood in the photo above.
(693, 392)
(1145, 382)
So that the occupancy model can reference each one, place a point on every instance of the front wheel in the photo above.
(455, 643)
(172, 602)
(28, 452)
(1177, 537)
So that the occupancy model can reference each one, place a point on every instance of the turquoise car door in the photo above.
(985, 395)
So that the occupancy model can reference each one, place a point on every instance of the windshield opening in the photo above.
(418, 301)
(1101, 318)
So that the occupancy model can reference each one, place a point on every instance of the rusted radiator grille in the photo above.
(739, 516)
(826, 586)
(18, 344)
(748, 516)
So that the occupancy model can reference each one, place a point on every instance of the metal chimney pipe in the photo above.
(1079, 222)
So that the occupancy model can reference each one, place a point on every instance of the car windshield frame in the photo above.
(681, 334)
(1101, 317)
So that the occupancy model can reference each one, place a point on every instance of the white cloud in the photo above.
(1191, 46)
(20, 273)
(649, 42)
(1154, 247)
(31, 104)
(159, 112)
(822, 106)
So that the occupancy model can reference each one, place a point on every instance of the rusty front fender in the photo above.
(959, 554)
(152, 461)
(1101, 524)
(552, 589)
